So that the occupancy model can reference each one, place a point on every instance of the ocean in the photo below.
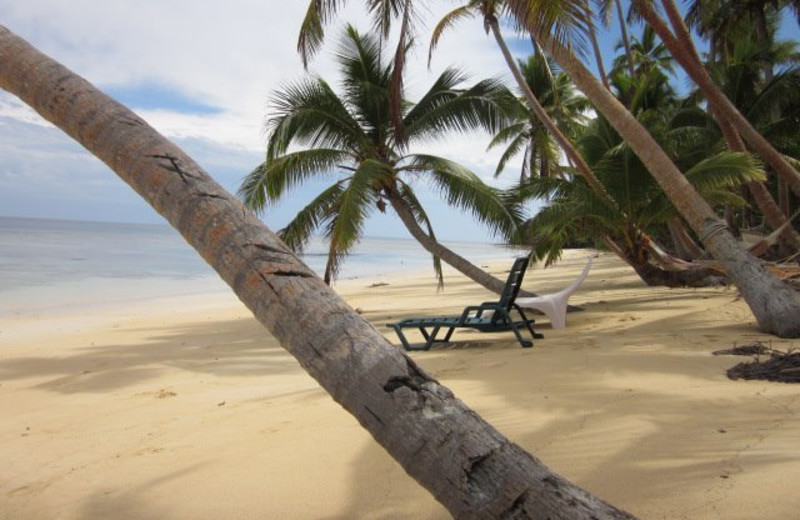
(48, 264)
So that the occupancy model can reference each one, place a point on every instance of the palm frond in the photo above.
(384, 12)
(353, 206)
(510, 152)
(314, 215)
(312, 31)
(310, 113)
(725, 170)
(271, 179)
(567, 22)
(781, 92)
(481, 106)
(509, 133)
(463, 189)
(447, 22)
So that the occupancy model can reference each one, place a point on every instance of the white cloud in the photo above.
(229, 55)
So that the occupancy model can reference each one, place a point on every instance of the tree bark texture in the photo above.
(462, 460)
(775, 305)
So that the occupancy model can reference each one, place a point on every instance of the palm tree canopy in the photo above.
(349, 137)
(574, 212)
(527, 135)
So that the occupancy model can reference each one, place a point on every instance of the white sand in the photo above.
(187, 408)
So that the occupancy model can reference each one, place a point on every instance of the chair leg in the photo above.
(529, 323)
(402, 337)
(432, 338)
(523, 342)
(447, 336)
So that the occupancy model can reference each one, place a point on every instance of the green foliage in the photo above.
(575, 213)
(350, 138)
(527, 135)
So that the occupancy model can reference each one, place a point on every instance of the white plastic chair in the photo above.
(554, 306)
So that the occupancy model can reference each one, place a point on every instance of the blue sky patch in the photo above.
(159, 97)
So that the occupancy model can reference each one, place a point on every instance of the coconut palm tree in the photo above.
(528, 135)
(553, 24)
(679, 41)
(490, 11)
(768, 104)
(775, 306)
(470, 467)
(314, 131)
(573, 212)
(646, 53)
(733, 124)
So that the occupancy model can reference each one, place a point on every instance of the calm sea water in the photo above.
(51, 263)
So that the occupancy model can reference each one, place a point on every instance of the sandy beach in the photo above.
(186, 408)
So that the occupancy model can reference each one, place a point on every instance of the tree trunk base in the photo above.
(693, 277)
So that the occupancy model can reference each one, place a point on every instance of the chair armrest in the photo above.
(479, 310)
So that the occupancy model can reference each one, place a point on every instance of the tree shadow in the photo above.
(239, 347)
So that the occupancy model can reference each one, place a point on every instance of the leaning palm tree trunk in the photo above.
(467, 464)
(625, 39)
(775, 306)
(682, 49)
(540, 113)
(447, 255)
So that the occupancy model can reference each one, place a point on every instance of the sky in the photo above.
(202, 73)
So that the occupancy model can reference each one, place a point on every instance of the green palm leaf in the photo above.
(463, 189)
(725, 169)
(353, 206)
(316, 214)
(269, 181)
(447, 22)
(443, 109)
(310, 113)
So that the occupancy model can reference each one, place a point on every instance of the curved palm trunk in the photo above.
(465, 463)
(565, 144)
(775, 306)
(682, 49)
(450, 257)
(656, 276)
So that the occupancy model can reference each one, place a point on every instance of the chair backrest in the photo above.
(513, 283)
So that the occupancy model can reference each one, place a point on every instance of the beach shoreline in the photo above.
(186, 407)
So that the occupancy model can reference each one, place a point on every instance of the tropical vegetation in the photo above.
(315, 132)
(691, 187)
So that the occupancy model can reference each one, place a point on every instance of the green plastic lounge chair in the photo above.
(486, 317)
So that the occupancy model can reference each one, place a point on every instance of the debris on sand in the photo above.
(768, 364)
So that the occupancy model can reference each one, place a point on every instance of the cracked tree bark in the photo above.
(462, 460)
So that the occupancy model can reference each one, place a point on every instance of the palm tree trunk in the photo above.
(771, 211)
(466, 464)
(685, 245)
(598, 57)
(775, 306)
(682, 49)
(565, 144)
(625, 40)
(447, 255)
